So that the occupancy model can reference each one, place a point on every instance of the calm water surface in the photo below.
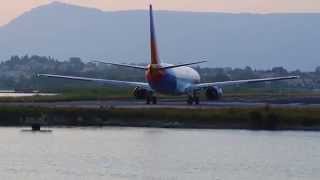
(158, 154)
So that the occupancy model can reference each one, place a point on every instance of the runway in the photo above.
(174, 104)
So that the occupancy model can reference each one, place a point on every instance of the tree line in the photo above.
(21, 73)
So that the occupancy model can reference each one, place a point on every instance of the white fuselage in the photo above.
(173, 81)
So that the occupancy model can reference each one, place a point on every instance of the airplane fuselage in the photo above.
(174, 81)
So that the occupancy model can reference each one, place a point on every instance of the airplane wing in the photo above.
(249, 81)
(115, 83)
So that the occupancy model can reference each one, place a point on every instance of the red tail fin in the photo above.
(153, 42)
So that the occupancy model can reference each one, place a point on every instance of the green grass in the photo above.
(103, 93)
(265, 118)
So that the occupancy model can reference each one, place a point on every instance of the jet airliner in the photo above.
(163, 78)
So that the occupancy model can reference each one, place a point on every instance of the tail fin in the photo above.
(153, 42)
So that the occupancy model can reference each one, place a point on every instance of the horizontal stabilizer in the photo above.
(181, 65)
(123, 65)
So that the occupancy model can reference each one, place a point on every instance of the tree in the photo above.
(75, 64)
(317, 70)
(279, 70)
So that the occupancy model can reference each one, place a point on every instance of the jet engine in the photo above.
(140, 93)
(214, 93)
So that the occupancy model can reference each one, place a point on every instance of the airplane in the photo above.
(163, 78)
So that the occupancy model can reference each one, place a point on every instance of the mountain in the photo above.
(235, 40)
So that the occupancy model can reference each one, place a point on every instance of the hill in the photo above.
(234, 40)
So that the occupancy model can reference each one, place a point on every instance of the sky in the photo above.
(10, 9)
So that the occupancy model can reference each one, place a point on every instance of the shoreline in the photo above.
(259, 118)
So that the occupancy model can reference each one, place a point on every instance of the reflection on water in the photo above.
(138, 153)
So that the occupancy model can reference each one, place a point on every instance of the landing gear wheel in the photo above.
(190, 100)
(151, 98)
(197, 100)
(148, 100)
(154, 100)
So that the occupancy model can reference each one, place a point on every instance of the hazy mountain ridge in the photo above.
(234, 40)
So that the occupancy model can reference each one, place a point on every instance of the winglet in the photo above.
(153, 42)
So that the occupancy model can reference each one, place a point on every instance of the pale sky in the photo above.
(10, 9)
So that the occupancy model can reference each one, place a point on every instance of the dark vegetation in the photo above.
(20, 73)
(266, 118)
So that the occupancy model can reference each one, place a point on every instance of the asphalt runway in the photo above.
(177, 104)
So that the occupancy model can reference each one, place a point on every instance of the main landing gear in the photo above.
(151, 98)
(194, 98)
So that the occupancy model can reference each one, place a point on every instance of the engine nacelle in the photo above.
(140, 93)
(214, 93)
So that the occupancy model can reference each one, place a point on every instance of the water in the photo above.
(158, 154)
